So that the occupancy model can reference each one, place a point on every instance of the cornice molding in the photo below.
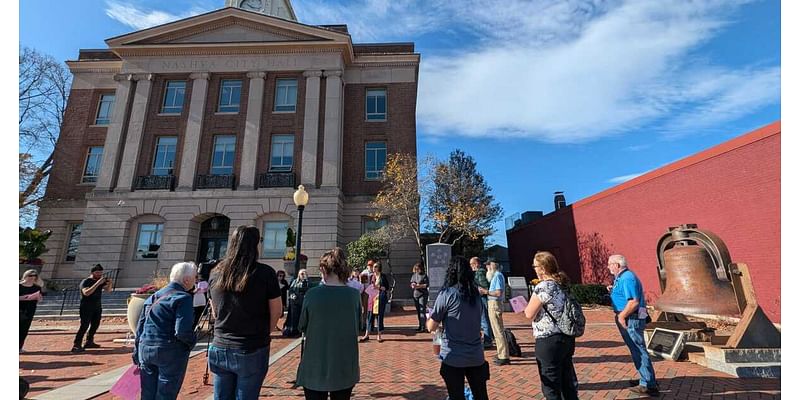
(224, 50)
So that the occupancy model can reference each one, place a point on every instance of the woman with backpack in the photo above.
(554, 349)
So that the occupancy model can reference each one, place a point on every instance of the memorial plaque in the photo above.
(666, 343)
(437, 259)
(517, 282)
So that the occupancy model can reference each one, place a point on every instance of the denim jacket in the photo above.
(170, 323)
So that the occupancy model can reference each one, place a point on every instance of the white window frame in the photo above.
(86, 178)
(159, 146)
(156, 237)
(229, 150)
(280, 140)
(367, 220)
(104, 100)
(227, 103)
(372, 172)
(274, 236)
(282, 101)
(180, 93)
(372, 96)
(70, 232)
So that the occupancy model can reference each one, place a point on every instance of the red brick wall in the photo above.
(732, 190)
(399, 131)
(77, 135)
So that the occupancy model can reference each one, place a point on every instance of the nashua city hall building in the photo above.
(175, 135)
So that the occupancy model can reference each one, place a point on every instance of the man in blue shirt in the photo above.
(627, 299)
(496, 294)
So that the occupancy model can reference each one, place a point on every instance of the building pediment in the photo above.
(228, 26)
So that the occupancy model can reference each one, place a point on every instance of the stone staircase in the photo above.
(50, 307)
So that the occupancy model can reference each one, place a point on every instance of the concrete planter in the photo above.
(135, 307)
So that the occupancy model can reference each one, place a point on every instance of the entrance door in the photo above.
(213, 238)
(212, 249)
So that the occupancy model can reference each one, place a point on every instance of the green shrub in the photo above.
(590, 294)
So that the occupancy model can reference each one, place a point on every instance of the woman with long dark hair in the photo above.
(458, 309)
(246, 302)
(330, 319)
(554, 349)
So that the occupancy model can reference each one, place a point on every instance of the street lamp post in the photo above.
(300, 200)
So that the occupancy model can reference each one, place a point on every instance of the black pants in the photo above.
(337, 395)
(24, 327)
(420, 303)
(454, 380)
(90, 315)
(556, 371)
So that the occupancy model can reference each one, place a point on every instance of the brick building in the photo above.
(733, 190)
(176, 134)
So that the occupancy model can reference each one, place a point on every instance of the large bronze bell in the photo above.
(695, 279)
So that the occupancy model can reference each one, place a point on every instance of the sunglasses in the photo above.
(33, 276)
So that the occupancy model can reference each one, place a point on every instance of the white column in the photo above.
(194, 129)
(112, 146)
(252, 130)
(331, 160)
(133, 142)
(308, 164)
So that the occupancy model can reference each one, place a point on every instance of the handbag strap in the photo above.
(544, 306)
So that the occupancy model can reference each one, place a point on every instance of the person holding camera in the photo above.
(91, 309)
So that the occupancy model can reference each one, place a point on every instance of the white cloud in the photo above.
(141, 18)
(625, 178)
(563, 71)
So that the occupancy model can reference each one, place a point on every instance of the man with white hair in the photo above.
(627, 299)
(165, 335)
(496, 294)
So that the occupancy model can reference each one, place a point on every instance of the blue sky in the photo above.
(576, 96)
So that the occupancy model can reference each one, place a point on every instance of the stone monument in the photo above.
(437, 259)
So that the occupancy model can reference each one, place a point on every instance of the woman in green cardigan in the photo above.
(330, 319)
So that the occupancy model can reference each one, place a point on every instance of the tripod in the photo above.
(205, 319)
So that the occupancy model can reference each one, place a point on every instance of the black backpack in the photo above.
(513, 347)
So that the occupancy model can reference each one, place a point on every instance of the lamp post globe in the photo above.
(300, 200)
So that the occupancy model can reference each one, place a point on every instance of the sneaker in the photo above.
(21, 351)
(504, 361)
(639, 389)
(77, 349)
(91, 345)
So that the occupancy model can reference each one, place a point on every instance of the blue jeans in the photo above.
(238, 374)
(162, 370)
(634, 339)
(486, 327)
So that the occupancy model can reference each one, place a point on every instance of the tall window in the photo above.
(282, 153)
(149, 241)
(286, 95)
(224, 153)
(369, 224)
(94, 160)
(173, 97)
(230, 91)
(274, 243)
(74, 239)
(104, 110)
(165, 155)
(376, 104)
(375, 158)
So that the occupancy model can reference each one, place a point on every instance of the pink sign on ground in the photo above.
(128, 385)
(518, 304)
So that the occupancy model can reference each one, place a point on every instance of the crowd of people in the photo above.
(247, 298)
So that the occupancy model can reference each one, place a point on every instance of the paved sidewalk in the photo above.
(403, 367)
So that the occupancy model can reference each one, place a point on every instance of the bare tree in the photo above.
(44, 86)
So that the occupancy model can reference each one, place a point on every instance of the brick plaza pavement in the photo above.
(403, 367)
